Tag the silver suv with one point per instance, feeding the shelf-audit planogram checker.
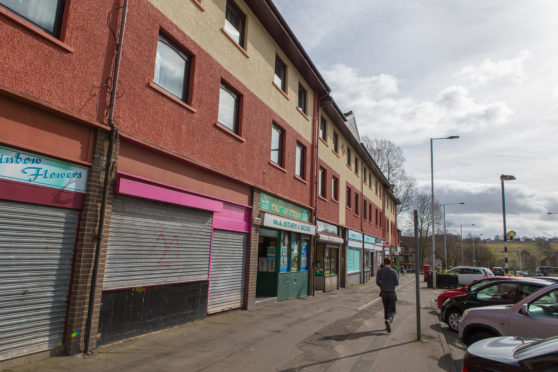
(468, 274)
(533, 316)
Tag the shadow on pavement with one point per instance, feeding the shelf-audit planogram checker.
(353, 336)
(294, 369)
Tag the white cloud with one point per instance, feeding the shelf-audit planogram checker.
(488, 70)
(382, 112)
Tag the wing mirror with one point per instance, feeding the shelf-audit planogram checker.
(525, 309)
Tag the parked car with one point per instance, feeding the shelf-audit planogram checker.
(446, 295)
(512, 354)
(551, 278)
(468, 274)
(533, 316)
(500, 292)
(498, 271)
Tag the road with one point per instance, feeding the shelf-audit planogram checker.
(337, 331)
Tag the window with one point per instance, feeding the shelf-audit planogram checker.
(234, 23)
(334, 188)
(229, 103)
(348, 156)
(546, 305)
(364, 175)
(323, 129)
(335, 142)
(277, 135)
(370, 179)
(353, 260)
(364, 210)
(280, 78)
(356, 165)
(172, 69)
(376, 216)
(356, 203)
(300, 166)
(301, 98)
(322, 183)
(348, 197)
(370, 211)
(293, 252)
(47, 14)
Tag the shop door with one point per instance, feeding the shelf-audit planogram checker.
(226, 285)
(156, 243)
(36, 252)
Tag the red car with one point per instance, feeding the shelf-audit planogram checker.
(466, 289)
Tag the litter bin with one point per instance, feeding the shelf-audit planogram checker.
(426, 270)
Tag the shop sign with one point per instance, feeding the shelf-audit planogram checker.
(369, 239)
(354, 235)
(327, 227)
(379, 241)
(278, 206)
(281, 223)
(34, 169)
(330, 239)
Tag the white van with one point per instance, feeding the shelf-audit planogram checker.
(468, 274)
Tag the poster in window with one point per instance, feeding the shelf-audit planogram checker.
(271, 254)
(295, 252)
(284, 259)
(304, 255)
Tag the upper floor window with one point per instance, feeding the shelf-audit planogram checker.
(277, 138)
(334, 188)
(323, 129)
(300, 161)
(349, 157)
(356, 165)
(280, 78)
(335, 142)
(322, 182)
(348, 197)
(235, 21)
(356, 203)
(370, 179)
(364, 175)
(370, 211)
(364, 210)
(47, 14)
(172, 69)
(301, 98)
(229, 102)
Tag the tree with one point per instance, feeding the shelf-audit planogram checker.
(389, 158)
(423, 205)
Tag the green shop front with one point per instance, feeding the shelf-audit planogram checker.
(354, 257)
(327, 257)
(368, 257)
(283, 249)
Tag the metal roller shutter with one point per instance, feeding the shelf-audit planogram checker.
(36, 253)
(156, 243)
(226, 285)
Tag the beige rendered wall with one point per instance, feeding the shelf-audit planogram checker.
(256, 69)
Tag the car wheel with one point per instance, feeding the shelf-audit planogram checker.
(453, 318)
(477, 336)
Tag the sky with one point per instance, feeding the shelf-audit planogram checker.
(486, 70)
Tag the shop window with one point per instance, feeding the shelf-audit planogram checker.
(334, 188)
(280, 78)
(323, 129)
(229, 103)
(302, 98)
(235, 21)
(172, 69)
(353, 260)
(267, 254)
(322, 182)
(326, 260)
(47, 14)
(277, 139)
(300, 161)
(335, 142)
(293, 252)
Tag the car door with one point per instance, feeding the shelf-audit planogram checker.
(541, 319)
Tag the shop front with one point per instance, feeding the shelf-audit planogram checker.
(354, 257)
(369, 243)
(378, 254)
(40, 199)
(283, 249)
(326, 260)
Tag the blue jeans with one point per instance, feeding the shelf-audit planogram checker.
(388, 299)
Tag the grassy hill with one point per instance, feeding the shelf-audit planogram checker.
(530, 254)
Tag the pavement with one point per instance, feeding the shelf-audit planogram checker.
(338, 331)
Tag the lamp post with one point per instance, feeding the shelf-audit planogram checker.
(445, 249)
(505, 177)
(432, 206)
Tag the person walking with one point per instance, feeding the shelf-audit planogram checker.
(387, 280)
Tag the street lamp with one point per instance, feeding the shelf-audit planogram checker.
(432, 206)
(505, 177)
(445, 249)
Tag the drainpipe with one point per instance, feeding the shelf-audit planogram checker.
(363, 279)
(113, 138)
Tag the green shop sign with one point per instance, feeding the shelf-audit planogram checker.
(274, 205)
(369, 239)
(354, 235)
(281, 223)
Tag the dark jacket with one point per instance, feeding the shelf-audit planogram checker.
(387, 279)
